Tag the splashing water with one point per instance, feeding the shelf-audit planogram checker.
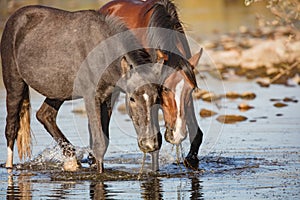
(52, 158)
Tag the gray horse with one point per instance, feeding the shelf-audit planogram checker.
(66, 55)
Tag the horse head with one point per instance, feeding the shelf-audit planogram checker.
(142, 88)
(176, 96)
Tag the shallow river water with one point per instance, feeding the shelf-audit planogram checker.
(255, 159)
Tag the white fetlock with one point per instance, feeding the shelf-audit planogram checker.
(71, 164)
(9, 161)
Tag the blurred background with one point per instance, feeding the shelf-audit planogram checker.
(202, 19)
(200, 16)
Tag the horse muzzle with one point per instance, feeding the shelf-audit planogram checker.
(174, 136)
(150, 144)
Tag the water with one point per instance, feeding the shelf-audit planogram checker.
(250, 160)
(255, 159)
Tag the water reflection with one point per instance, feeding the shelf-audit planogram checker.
(196, 188)
(156, 188)
(62, 191)
(151, 188)
(191, 189)
(36, 185)
(21, 189)
(22, 186)
(98, 190)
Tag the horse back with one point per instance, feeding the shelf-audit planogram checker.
(48, 45)
(134, 12)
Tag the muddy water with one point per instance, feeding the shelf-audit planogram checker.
(255, 159)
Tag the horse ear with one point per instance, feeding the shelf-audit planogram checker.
(161, 56)
(124, 66)
(194, 60)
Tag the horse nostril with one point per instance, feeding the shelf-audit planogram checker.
(144, 145)
(169, 129)
(154, 141)
(148, 145)
(168, 126)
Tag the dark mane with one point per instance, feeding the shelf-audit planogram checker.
(179, 63)
(138, 53)
(140, 56)
(165, 16)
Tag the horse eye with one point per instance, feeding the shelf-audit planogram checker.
(165, 89)
(132, 99)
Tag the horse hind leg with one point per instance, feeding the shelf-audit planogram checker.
(47, 116)
(17, 121)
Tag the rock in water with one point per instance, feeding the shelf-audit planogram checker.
(231, 119)
(207, 113)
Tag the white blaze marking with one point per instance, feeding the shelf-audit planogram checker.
(146, 97)
(178, 90)
(178, 123)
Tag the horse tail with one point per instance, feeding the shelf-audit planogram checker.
(24, 133)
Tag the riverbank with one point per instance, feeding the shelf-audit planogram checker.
(269, 55)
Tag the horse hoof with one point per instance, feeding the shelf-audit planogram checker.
(71, 164)
(91, 160)
(9, 170)
(191, 162)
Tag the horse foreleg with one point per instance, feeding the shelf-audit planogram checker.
(196, 135)
(106, 111)
(98, 127)
(155, 162)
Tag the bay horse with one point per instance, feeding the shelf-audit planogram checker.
(158, 26)
(67, 55)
